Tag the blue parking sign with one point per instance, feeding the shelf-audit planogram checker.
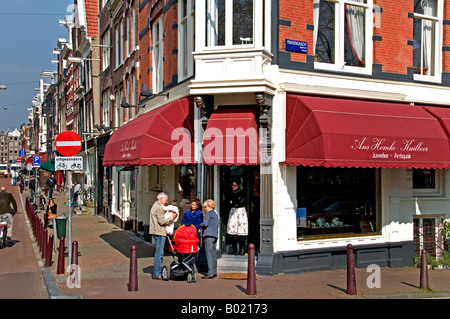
(36, 161)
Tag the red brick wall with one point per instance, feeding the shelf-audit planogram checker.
(299, 13)
(395, 28)
(392, 24)
(446, 37)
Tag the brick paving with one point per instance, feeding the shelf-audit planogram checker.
(104, 260)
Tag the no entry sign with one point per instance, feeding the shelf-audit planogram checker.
(68, 143)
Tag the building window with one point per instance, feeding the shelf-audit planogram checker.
(158, 55)
(117, 47)
(105, 104)
(342, 35)
(336, 201)
(187, 183)
(230, 22)
(427, 40)
(106, 50)
(428, 235)
(134, 30)
(427, 182)
(186, 38)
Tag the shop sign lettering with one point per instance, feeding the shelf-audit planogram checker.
(381, 149)
(127, 148)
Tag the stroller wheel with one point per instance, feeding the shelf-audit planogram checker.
(164, 273)
(191, 277)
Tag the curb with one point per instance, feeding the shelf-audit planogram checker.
(53, 288)
(50, 282)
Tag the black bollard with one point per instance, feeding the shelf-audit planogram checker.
(251, 272)
(424, 270)
(351, 278)
(133, 281)
(49, 251)
(60, 269)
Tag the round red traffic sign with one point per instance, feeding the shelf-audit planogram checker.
(18, 160)
(68, 143)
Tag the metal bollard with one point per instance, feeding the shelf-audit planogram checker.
(49, 251)
(74, 260)
(251, 272)
(44, 241)
(351, 278)
(424, 270)
(133, 280)
(60, 269)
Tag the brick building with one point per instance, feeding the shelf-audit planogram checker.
(345, 101)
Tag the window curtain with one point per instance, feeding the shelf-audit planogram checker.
(355, 20)
(316, 23)
(429, 9)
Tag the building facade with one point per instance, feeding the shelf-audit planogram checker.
(331, 115)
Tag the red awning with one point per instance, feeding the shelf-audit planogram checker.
(231, 138)
(162, 136)
(443, 115)
(332, 132)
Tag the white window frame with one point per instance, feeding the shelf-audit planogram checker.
(438, 190)
(106, 106)
(134, 28)
(205, 25)
(117, 41)
(122, 42)
(438, 43)
(158, 55)
(106, 50)
(339, 36)
(185, 39)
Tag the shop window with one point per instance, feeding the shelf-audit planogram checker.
(427, 182)
(187, 183)
(336, 201)
(342, 35)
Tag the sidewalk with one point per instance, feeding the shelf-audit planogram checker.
(104, 261)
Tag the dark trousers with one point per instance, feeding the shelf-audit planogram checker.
(211, 255)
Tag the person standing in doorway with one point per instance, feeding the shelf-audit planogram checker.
(210, 227)
(237, 225)
(158, 223)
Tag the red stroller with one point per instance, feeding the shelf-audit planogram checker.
(184, 245)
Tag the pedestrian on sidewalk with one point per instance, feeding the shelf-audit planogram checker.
(6, 199)
(76, 192)
(51, 183)
(210, 227)
(158, 223)
(32, 186)
(50, 212)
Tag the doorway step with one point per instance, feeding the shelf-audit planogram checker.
(232, 264)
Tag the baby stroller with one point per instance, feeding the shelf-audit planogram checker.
(184, 245)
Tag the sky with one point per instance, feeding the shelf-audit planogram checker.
(29, 31)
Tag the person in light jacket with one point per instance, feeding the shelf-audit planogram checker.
(210, 227)
(158, 223)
